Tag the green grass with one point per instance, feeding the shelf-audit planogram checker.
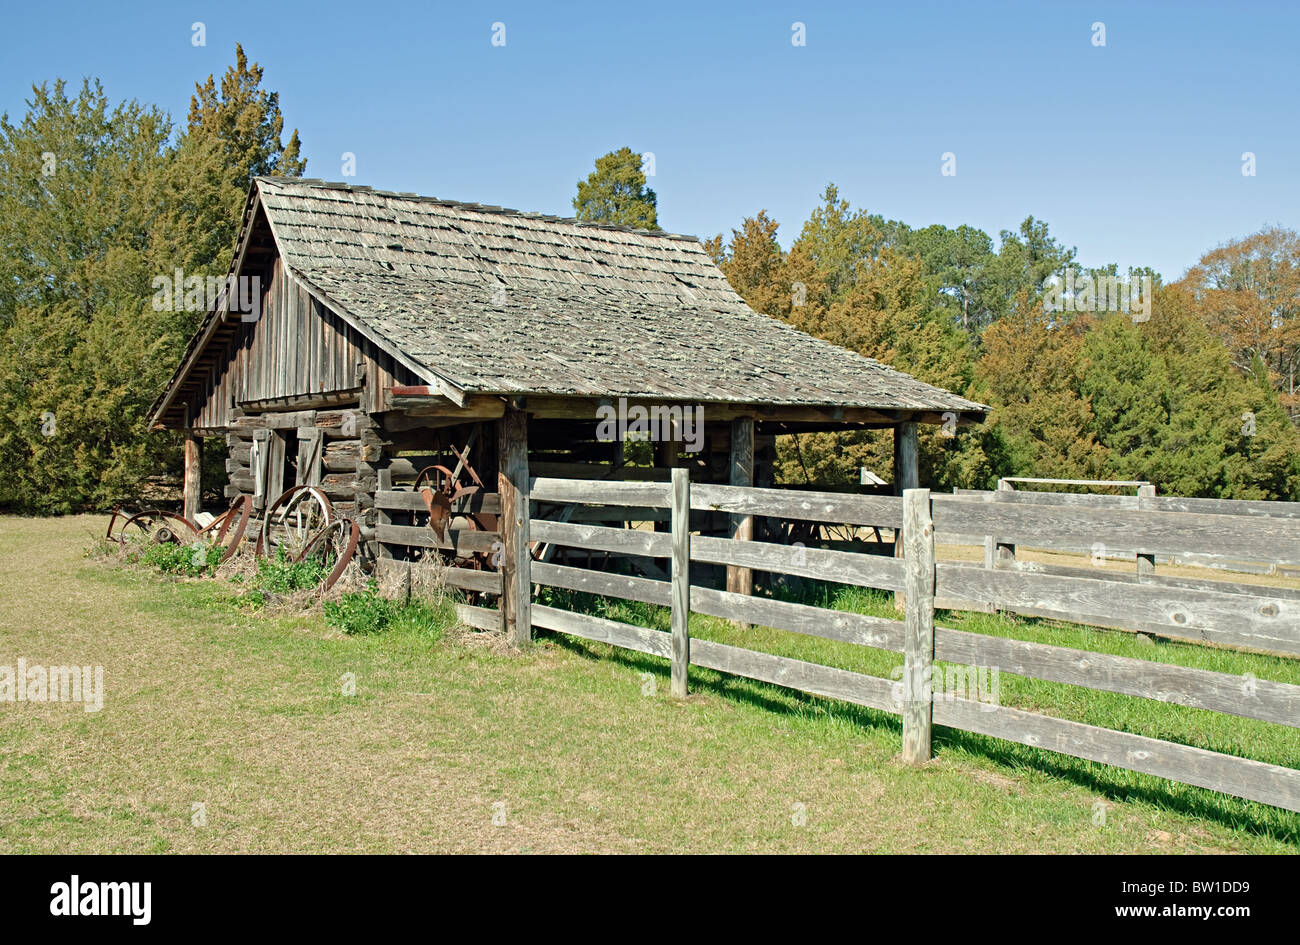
(1214, 731)
(251, 715)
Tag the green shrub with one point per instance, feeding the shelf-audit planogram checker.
(366, 612)
(193, 560)
(279, 575)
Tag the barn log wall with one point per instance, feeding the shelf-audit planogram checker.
(343, 476)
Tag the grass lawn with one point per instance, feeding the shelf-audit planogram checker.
(579, 749)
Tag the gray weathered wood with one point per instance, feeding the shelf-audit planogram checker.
(654, 642)
(681, 580)
(382, 518)
(1127, 577)
(918, 626)
(806, 619)
(603, 538)
(594, 491)
(193, 489)
(488, 503)
(513, 487)
(740, 580)
(467, 579)
(480, 618)
(462, 540)
(1250, 538)
(838, 508)
(1163, 682)
(841, 566)
(1253, 621)
(1241, 777)
(872, 691)
(1151, 503)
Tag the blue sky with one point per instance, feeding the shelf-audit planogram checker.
(1132, 152)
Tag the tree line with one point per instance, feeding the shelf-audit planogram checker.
(1192, 387)
(98, 199)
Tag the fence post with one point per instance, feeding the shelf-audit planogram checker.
(193, 492)
(516, 583)
(741, 580)
(1146, 564)
(680, 521)
(918, 627)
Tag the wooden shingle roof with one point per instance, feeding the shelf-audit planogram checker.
(498, 301)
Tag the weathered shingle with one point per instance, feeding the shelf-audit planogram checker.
(499, 301)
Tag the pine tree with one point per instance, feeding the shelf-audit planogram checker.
(616, 192)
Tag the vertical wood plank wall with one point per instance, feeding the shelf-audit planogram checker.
(297, 348)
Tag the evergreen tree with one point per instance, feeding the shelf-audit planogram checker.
(616, 192)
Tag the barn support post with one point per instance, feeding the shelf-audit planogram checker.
(741, 580)
(512, 484)
(918, 627)
(193, 489)
(681, 580)
(907, 475)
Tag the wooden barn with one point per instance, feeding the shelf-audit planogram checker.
(395, 333)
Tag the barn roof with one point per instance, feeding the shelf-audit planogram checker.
(497, 301)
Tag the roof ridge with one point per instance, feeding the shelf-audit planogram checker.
(476, 207)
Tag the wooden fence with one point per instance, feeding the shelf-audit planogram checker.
(1247, 548)
(1251, 620)
(1234, 615)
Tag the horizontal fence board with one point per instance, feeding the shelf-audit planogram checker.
(1131, 577)
(484, 582)
(488, 503)
(835, 507)
(1168, 503)
(859, 629)
(1158, 503)
(840, 566)
(1202, 689)
(467, 579)
(812, 678)
(1254, 621)
(1058, 499)
(1248, 538)
(421, 536)
(601, 538)
(480, 618)
(1242, 777)
(597, 492)
(872, 691)
(644, 590)
(654, 642)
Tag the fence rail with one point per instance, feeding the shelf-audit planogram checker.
(1238, 619)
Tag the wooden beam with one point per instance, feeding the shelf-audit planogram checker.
(193, 475)
(907, 475)
(741, 580)
(918, 627)
(681, 580)
(512, 457)
(907, 469)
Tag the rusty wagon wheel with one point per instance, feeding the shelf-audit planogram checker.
(158, 527)
(293, 520)
(334, 545)
(438, 478)
(233, 522)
